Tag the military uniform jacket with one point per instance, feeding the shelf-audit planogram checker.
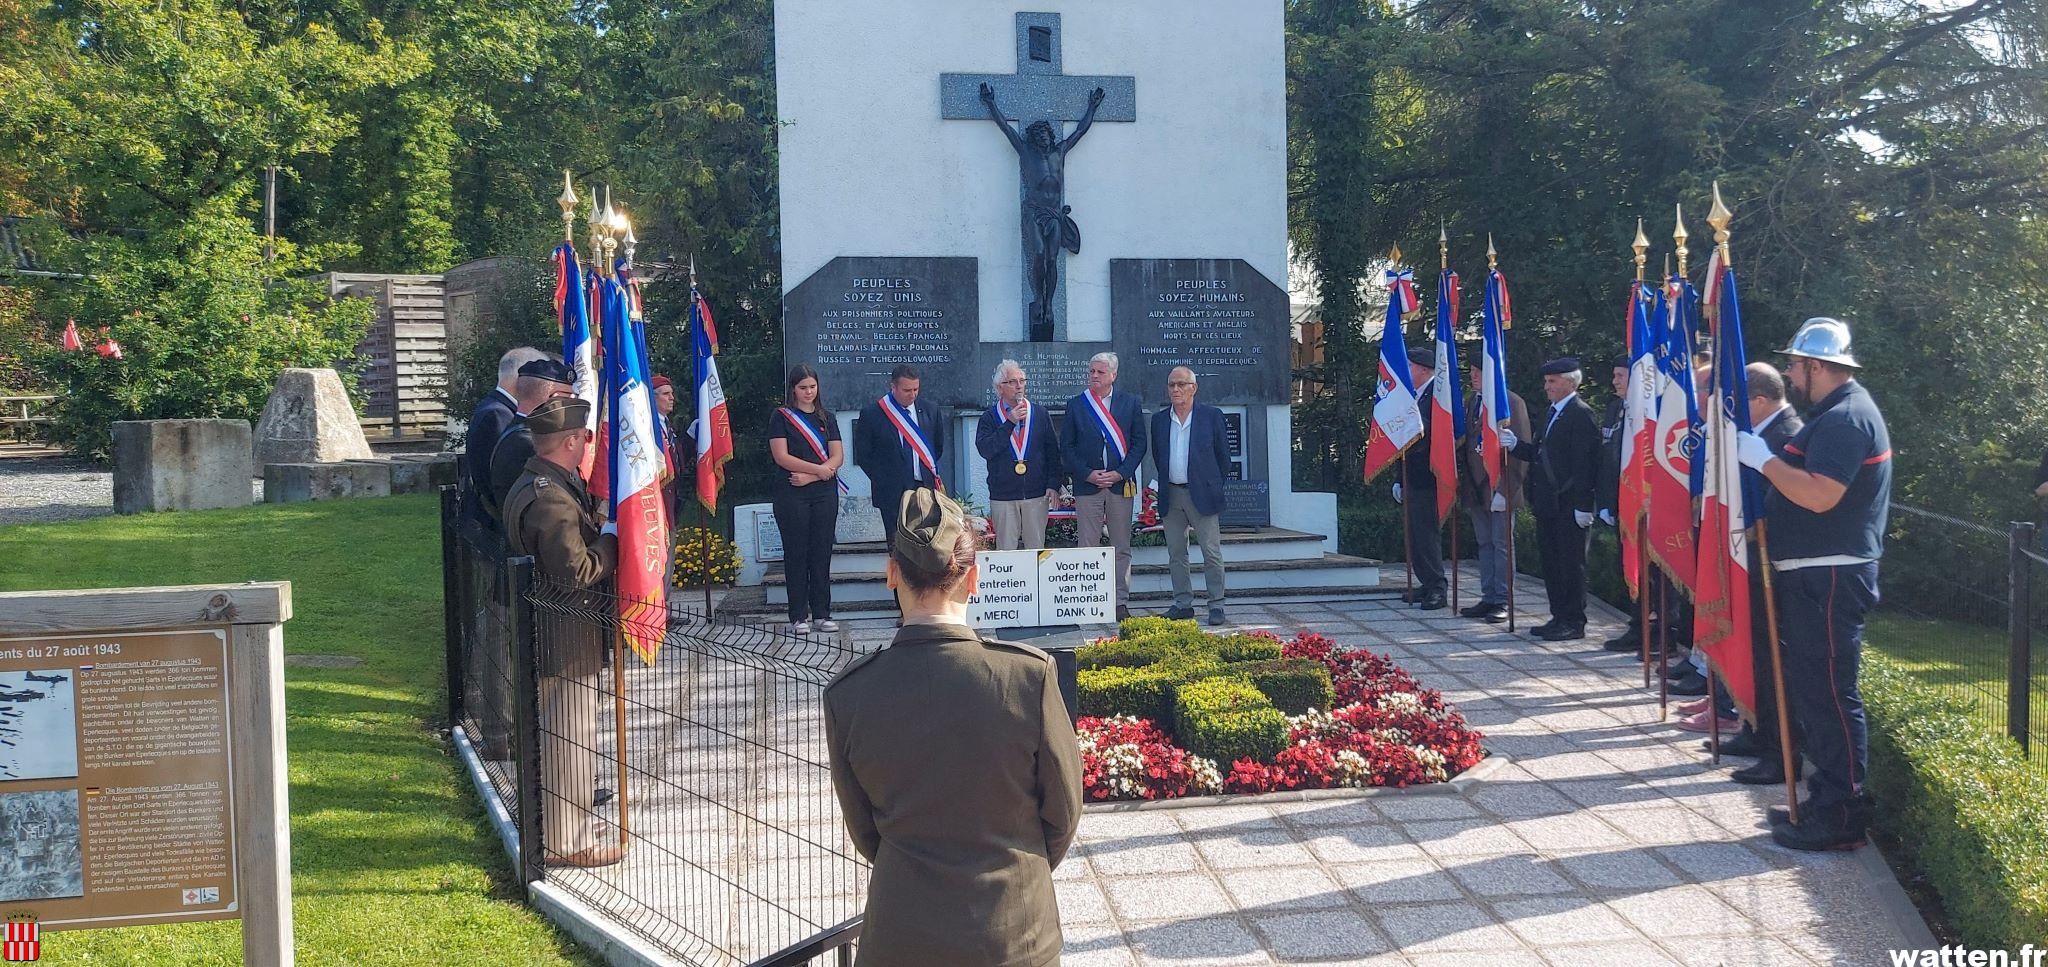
(550, 515)
(959, 777)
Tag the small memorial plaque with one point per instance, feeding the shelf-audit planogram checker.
(1007, 595)
(1247, 503)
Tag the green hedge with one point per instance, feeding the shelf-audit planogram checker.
(1123, 653)
(1236, 648)
(1971, 813)
(1227, 718)
(1293, 685)
(1120, 690)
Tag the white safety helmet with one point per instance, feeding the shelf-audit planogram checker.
(1824, 339)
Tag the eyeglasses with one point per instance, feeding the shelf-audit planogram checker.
(1019, 381)
(1179, 384)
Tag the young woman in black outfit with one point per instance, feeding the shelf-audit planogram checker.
(803, 439)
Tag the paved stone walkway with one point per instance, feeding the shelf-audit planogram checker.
(1608, 838)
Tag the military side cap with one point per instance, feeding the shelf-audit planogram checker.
(928, 526)
(1561, 366)
(550, 370)
(559, 414)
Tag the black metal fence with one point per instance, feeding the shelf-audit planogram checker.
(1957, 610)
(685, 795)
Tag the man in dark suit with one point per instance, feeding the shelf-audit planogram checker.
(899, 441)
(1415, 490)
(486, 424)
(539, 381)
(1566, 462)
(1777, 422)
(1190, 455)
(1103, 440)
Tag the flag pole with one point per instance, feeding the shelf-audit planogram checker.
(1720, 217)
(1713, 314)
(1642, 249)
(603, 245)
(1678, 237)
(1407, 538)
(1506, 323)
(1443, 251)
(710, 521)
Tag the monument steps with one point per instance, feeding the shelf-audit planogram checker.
(1328, 574)
(1262, 544)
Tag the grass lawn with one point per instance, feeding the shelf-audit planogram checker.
(1966, 662)
(392, 862)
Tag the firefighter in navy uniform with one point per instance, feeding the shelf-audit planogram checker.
(1827, 505)
(550, 515)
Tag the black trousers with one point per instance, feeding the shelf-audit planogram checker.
(1820, 618)
(806, 518)
(1564, 565)
(1425, 539)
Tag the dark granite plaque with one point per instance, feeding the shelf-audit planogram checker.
(859, 317)
(1247, 503)
(1220, 317)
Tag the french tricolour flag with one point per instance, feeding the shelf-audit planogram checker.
(1676, 443)
(1396, 416)
(1730, 497)
(1446, 398)
(713, 426)
(1496, 315)
(1639, 429)
(635, 465)
(579, 349)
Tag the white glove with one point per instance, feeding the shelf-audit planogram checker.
(1584, 518)
(1753, 451)
(610, 527)
(1508, 438)
(1397, 493)
(1500, 503)
(1607, 517)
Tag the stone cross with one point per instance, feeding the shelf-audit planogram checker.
(1038, 91)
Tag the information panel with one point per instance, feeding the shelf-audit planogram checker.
(1045, 588)
(115, 783)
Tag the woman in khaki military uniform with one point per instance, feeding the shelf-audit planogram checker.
(956, 767)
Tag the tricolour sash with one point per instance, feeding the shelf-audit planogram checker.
(811, 437)
(1111, 432)
(1020, 438)
(913, 437)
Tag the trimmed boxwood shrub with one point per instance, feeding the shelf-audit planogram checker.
(1123, 652)
(1293, 685)
(1970, 811)
(1226, 718)
(1239, 648)
(1146, 692)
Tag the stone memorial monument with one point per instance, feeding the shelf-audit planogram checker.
(905, 238)
(181, 465)
(309, 420)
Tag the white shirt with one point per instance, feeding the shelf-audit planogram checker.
(1177, 449)
(916, 465)
(1773, 418)
(1557, 409)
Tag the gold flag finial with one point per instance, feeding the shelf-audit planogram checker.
(1394, 255)
(1678, 237)
(1443, 245)
(1492, 257)
(568, 202)
(1719, 217)
(1642, 247)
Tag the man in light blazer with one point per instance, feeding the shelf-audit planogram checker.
(1190, 458)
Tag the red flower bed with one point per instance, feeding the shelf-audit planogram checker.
(1387, 730)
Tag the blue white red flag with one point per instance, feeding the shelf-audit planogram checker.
(1496, 316)
(1729, 502)
(1446, 398)
(1671, 474)
(713, 426)
(1638, 432)
(635, 463)
(1396, 415)
(579, 349)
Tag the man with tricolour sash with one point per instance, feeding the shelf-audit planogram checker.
(899, 441)
(1104, 443)
(1016, 437)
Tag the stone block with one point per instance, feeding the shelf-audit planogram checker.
(286, 483)
(181, 465)
(422, 473)
(309, 420)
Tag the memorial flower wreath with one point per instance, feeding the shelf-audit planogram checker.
(1386, 728)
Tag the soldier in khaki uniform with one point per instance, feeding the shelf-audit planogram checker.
(550, 515)
(956, 767)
